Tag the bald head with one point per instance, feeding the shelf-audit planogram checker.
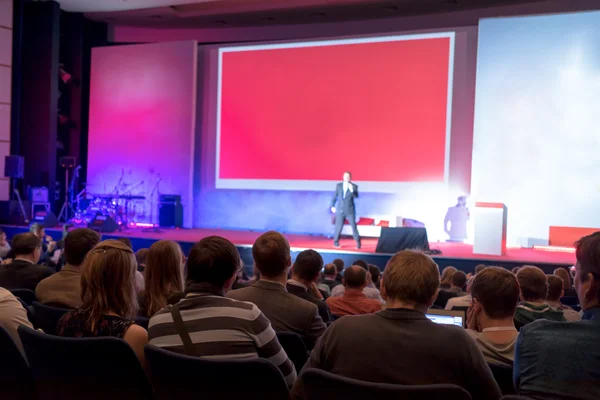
(355, 277)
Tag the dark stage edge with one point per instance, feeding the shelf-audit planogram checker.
(243, 241)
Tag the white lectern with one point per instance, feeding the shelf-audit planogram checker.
(489, 222)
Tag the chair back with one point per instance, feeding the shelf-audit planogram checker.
(102, 368)
(46, 317)
(16, 382)
(294, 347)
(443, 297)
(176, 376)
(142, 321)
(514, 397)
(27, 295)
(28, 310)
(460, 308)
(504, 377)
(322, 385)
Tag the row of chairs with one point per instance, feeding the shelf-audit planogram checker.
(107, 368)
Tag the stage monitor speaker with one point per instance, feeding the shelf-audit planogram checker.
(44, 217)
(393, 240)
(104, 224)
(14, 167)
(170, 215)
(67, 162)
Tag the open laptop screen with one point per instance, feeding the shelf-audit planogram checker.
(447, 317)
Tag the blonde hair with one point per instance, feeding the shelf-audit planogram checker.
(447, 274)
(163, 274)
(108, 282)
(411, 275)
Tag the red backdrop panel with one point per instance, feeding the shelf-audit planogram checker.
(309, 113)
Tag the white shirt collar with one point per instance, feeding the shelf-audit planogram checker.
(297, 283)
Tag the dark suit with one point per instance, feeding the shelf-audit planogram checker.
(303, 294)
(345, 210)
(21, 274)
(285, 311)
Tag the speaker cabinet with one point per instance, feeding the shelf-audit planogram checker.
(170, 215)
(104, 224)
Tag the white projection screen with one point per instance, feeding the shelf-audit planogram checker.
(537, 122)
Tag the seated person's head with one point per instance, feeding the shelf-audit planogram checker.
(555, 288)
(2, 238)
(330, 271)
(480, 268)
(108, 282)
(163, 274)
(495, 293)
(38, 229)
(27, 246)
(339, 265)
(308, 266)
(533, 284)
(271, 253)
(459, 280)
(446, 278)
(565, 276)
(587, 275)
(410, 280)
(515, 270)
(361, 263)
(375, 272)
(126, 241)
(78, 243)
(213, 261)
(141, 256)
(355, 277)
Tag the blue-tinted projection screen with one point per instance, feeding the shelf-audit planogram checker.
(537, 122)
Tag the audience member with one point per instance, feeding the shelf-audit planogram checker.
(287, 312)
(141, 256)
(515, 270)
(140, 284)
(109, 298)
(369, 290)
(404, 347)
(459, 302)
(163, 277)
(375, 275)
(23, 272)
(4, 245)
(63, 289)
(480, 268)
(305, 273)
(219, 327)
(339, 266)
(490, 319)
(568, 285)
(457, 283)
(534, 288)
(330, 276)
(446, 278)
(353, 301)
(562, 361)
(555, 292)
(12, 315)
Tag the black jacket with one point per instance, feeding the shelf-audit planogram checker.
(21, 274)
(303, 294)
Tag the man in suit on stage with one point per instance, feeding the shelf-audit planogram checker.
(346, 191)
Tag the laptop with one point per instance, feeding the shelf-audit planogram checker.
(448, 317)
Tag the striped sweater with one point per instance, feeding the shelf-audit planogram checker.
(221, 328)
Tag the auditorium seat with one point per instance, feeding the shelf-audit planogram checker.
(322, 385)
(176, 376)
(504, 377)
(28, 310)
(27, 295)
(515, 397)
(16, 382)
(46, 317)
(294, 347)
(142, 321)
(102, 368)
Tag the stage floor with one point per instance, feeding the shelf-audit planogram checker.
(245, 239)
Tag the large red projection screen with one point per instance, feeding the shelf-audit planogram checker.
(296, 116)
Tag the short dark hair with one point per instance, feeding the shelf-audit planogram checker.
(308, 265)
(588, 257)
(459, 279)
(126, 241)
(339, 264)
(212, 260)
(533, 283)
(555, 287)
(361, 263)
(36, 227)
(141, 255)
(349, 173)
(497, 290)
(271, 252)
(480, 268)
(330, 269)
(78, 243)
(355, 277)
(25, 243)
(375, 272)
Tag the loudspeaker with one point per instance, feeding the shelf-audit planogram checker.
(46, 218)
(67, 162)
(170, 215)
(104, 224)
(14, 167)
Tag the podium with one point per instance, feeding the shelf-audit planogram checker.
(489, 221)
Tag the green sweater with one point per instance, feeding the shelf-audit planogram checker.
(529, 312)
